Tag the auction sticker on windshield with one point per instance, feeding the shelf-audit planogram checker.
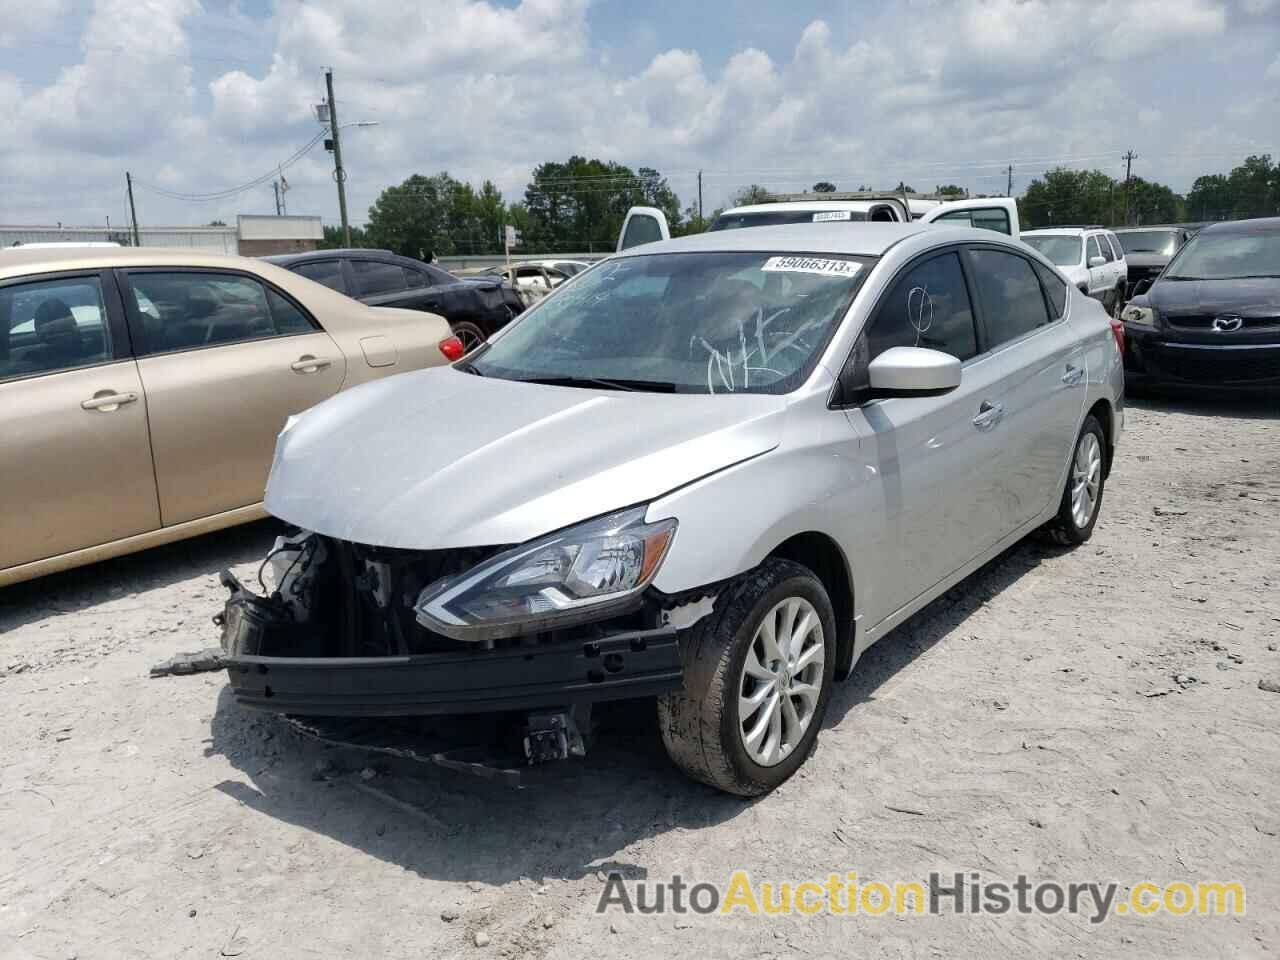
(828, 268)
(827, 216)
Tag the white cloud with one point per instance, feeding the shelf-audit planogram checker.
(21, 18)
(929, 90)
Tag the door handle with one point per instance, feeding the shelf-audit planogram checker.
(1073, 375)
(989, 414)
(309, 364)
(107, 400)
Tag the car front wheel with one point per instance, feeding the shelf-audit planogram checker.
(757, 676)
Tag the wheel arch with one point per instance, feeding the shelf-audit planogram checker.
(1102, 410)
(821, 554)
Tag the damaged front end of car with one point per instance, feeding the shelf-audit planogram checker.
(540, 631)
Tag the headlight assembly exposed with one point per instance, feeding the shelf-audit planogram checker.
(582, 573)
(1142, 316)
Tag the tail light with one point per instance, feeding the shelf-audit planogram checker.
(1117, 330)
(452, 348)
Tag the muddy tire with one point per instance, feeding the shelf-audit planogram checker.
(1082, 493)
(767, 650)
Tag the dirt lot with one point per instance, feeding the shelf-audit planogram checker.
(1030, 722)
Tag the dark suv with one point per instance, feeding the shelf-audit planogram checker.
(381, 278)
(1148, 250)
(1212, 318)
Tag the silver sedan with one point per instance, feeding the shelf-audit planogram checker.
(711, 470)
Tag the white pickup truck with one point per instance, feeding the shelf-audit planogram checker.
(647, 224)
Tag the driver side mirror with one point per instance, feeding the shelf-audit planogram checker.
(1141, 287)
(1096, 261)
(913, 372)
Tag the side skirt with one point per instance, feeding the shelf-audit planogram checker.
(141, 541)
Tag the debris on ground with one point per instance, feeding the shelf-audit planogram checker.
(184, 664)
(1269, 684)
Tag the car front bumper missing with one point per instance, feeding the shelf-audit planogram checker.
(614, 666)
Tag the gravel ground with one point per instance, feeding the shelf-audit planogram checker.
(1086, 715)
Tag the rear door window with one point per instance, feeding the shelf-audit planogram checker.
(52, 325)
(327, 272)
(1009, 290)
(983, 218)
(375, 277)
(1055, 289)
(192, 310)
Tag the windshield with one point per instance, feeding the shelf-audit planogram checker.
(771, 218)
(1148, 241)
(1063, 250)
(682, 322)
(1227, 256)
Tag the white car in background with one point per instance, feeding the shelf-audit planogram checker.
(999, 214)
(1090, 257)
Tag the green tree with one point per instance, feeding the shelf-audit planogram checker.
(579, 205)
(1255, 188)
(824, 186)
(1210, 198)
(426, 216)
(333, 239)
(950, 190)
(751, 195)
(1151, 202)
(1063, 197)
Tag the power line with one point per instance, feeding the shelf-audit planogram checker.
(233, 191)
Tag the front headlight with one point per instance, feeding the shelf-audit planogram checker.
(1144, 316)
(586, 572)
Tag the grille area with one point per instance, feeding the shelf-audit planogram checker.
(1205, 322)
(1221, 366)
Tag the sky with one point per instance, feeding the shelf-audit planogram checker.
(199, 97)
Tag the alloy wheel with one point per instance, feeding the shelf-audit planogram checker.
(1086, 479)
(781, 681)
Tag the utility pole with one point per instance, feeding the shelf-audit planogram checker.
(1009, 190)
(699, 194)
(1129, 157)
(133, 213)
(275, 185)
(339, 174)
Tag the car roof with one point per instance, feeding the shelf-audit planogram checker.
(1256, 225)
(1063, 231)
(857, 239)
(287, 258)
(815, 205)
(18, 261)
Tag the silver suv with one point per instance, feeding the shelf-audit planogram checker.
(710, 471)
(1090, 257)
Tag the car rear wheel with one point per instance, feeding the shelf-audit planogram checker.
(1082, 496)
(470, 334)
(757, 677)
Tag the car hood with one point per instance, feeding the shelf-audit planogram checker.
(440, 458)
(1076, 273)
(1147, 259)
(1257, 297)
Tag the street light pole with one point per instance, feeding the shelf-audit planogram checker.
(338, 173)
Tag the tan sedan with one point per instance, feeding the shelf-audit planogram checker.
(141, 391)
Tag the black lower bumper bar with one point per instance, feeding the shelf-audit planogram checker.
(618, 666)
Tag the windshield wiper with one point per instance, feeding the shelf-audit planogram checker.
(605, 383)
